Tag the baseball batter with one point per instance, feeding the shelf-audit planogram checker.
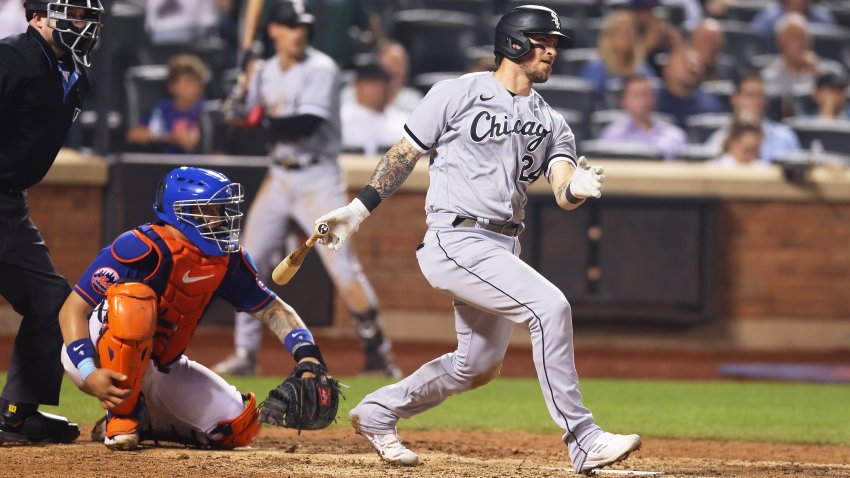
(298, 90)
(131, 316)
(490, 135)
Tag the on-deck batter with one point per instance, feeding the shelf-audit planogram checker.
(490, 136)
(299, 91)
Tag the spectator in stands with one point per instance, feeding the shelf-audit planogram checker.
(656, 36)
(708, 39)
(13, 19)
(638, 100)
(180, 22)
(173, 126)
(831, 97)
(798, 66)
(742, 145)
(370, 123)
(765, 23)
(395, 60)
(749, 102)
(681, 96)
(620, 56)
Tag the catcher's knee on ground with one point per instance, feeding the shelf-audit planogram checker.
(239, 431)
(127, 337)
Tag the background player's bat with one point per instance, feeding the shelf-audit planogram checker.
(290, 264)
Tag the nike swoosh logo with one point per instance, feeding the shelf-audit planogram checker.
(482, 98)
(189, 280)
(78, 347)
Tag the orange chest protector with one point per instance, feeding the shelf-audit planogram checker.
(186, 281)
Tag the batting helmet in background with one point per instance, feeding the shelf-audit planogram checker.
(511, 40)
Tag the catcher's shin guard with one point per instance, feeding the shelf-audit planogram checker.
(240, 431)
(126, 340)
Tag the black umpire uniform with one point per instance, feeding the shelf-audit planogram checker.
(40, 97)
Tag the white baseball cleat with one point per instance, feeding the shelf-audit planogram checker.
(388, 446)
(126, 442)
(609, 448)
(241, 363)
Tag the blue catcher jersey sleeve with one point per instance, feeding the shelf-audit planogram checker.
(241, 287)
(128, 257)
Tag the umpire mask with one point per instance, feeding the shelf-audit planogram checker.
(77, 26)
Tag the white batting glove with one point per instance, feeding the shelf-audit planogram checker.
(342, 223)
(587, 181)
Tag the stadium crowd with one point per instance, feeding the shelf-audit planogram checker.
(664, 79)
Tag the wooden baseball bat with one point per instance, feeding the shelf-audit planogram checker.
(287, 268)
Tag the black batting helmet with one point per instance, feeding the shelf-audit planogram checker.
(290, 14)
(511, 41)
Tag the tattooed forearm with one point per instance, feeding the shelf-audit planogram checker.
(561, 194)
(394, 168)
(280, 318)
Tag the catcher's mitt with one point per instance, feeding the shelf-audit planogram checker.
(303, 403)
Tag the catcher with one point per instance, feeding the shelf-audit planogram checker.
(131, 316)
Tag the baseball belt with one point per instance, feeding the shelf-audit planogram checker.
(509, 228)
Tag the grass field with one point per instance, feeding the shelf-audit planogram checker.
(751, 411)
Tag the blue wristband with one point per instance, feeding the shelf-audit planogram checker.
(80, 350)
(297, 336)
(86, 367)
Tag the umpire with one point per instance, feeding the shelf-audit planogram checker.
(42, 80)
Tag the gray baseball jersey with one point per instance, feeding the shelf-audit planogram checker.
(305, 192)
(310, 87)
(488, 146)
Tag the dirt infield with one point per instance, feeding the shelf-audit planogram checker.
(340, 453)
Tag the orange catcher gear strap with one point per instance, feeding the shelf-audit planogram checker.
(127, 336)
(240, 431)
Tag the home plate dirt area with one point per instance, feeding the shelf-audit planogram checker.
(339, 452)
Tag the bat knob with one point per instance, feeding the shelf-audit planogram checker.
(322, 229)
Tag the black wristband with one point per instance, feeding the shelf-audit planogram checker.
(570, 198)
(308, 350)
(369, 197)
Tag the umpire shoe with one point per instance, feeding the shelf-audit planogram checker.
(388, 446)
(122, 433)
(242, 363)
(35, 426)
(608, 449)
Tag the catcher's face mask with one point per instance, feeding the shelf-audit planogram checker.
(76, 26)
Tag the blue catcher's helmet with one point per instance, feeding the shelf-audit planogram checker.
(204, 205)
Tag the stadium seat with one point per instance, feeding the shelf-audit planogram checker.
(570, 62)
(435, 39)
(386, 10)
(425, 81)
(567, 92)
(575, 9)
(599, 149)
(480, 8)
(701, 127)
(813, 157)
(670, 10)
(145, 85)
(831, 42)
(212, 52)
(841, 11)
(831, 135)
(745, 10)
(696, 153)
(742, 42)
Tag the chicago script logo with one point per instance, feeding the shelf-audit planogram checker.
(485, 125)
